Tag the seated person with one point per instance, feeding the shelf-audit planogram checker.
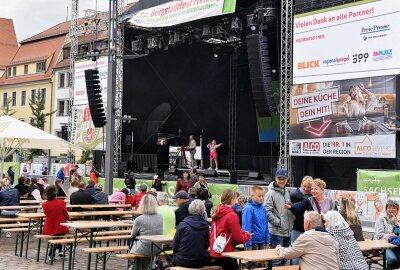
(167, 212)
(99, 196)
(22, 188)
(9, 196)
(119, 197)
(192, 237)
(60, 190)
(202, 194)
(138, 196)
(72, 188)
(80, 197)
(182, 200)
(90, 187)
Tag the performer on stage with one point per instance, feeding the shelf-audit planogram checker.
(213, 153)
(192, 149)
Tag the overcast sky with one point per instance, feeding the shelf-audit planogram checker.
(34, 16)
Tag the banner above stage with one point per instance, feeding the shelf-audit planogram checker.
(350, 41)
(349, 118)
(177, 12)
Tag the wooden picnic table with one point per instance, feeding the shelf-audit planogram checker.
(98, 206)
(156, 239)
(30, 202)
(92, 227)
(20, 207)
(267, 255)
(377, 245)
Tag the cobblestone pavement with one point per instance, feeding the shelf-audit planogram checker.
(8, 261)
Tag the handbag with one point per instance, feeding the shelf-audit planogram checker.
(220, 242)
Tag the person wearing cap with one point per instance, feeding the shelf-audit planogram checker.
(99, 196)
(280, 219)
(182, 200)
(138, 196)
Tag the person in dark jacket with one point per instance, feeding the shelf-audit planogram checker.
(157, 183)
(21, 187)
(130, 182)
(349, 214)
(191, 239)
(9, 196)
(182, 200)
(60, 190)
(99, 197)
(80, 197)
(90, 187)
(11, 173)
(202, 194)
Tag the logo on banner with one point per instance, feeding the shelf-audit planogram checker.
(296, 147)
(374, 31)
(364, 146)
(311, 147)
(383, 55)
(308, 64)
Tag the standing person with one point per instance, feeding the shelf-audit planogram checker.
(130, 182)
(56, 213)
(45, 171)
(384, 228)
(202, 183)
(11, 174)
(319, 202)
(192, 237)
(226, 222)
(349, 214)
(350, 254)
(255, 220)
(149, 223)
(213, 153)
(298, 206)
(184, 183)
(157, 183)
(280, 219)
(60, 173)
(316, 248)
(94, 175)
(241, 203)
(192, 149)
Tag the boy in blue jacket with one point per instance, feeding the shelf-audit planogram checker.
(255, 220)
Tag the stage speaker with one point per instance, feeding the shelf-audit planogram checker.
(95, 100)
(255, 175)
(146, 169)
(210, 173)
(260, 74)
(233, 177)
(172, 171)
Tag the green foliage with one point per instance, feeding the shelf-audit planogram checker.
(7, 110)
(84, 157)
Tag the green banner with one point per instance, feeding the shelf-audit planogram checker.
(379, 181)
(229, 6)
(216, 190)
(15, 166)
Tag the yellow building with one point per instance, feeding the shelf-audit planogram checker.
(30, 73)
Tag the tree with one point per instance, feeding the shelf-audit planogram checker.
(7, 110)
(39, 119)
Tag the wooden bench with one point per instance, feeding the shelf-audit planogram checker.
(131, 258)
(107, 251)
(16, 219)
(66, 241)
(202, 268)
(13, 225)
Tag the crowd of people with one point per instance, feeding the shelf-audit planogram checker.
(303, 226)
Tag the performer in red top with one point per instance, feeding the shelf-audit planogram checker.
(213, 153)
(56, 213)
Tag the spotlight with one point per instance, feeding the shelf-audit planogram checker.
(171, 40)
(252, 22)
(215, 55)
(153, 43)
(220, 31)
(137, 46)
(236, 24)
(177, 38)
(206, 31)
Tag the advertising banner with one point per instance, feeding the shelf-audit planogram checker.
(379, 181)
(350, 41)
(177, 12)
(349, 118)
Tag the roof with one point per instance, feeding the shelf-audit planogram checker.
(85, 39)
(34, 52)
(57, 30)
(8, 42)
(62, 63)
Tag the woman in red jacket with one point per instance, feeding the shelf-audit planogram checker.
(56, 213)
(225, 221)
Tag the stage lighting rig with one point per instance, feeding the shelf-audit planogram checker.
(153, 43)
(137, 46)
(236, 24)
(206, 33)
(93, 55)
(252, 22)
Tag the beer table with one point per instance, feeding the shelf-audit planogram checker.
(383, 244)
(156, 239)
(266, 255)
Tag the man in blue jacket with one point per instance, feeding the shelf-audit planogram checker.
(255, 220)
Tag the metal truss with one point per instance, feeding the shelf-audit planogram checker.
(232, 108)
(286, 81)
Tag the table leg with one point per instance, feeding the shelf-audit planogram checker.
(90, 245)
(384, 259)
(40, 239)
(27, 242)
(151, 256)
(22, 243)
(240, 264)
(73, 249)
(270, 265)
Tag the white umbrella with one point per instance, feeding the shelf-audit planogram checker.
(16, 134)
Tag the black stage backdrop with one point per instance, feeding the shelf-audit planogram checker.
(187, 88)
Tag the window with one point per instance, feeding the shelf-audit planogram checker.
(61, 80)
(14, 99)
(33, 96)
(14, 71)
(66, 53)
(9, 72)
(23, 98)
(43, 94)
(61, 108)
(41, 67)
(5, 101)
(25, 69)
(59, 134)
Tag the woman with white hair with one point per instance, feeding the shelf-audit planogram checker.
(149, 223)
(191, 239)
(350, 254)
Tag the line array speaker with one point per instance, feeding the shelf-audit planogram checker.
(95, 100)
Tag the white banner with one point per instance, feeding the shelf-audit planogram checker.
(80, 96)
(353, 41)
(377, 146)
(181, 11)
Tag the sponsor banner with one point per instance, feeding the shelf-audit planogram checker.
(387, 182)
(359, 39)
(80, 95)
(177, 12)
(349, 118)
(84, 133)
(379, 146)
